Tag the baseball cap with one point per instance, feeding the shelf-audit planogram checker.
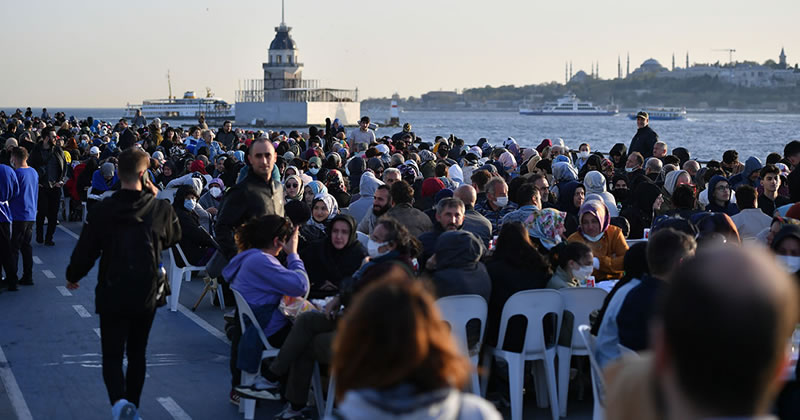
(94, 150)
(642, 114)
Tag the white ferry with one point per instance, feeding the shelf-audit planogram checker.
(189, 107)
(569, 104)
(662, 114)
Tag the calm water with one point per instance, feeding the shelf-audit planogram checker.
(705, 135)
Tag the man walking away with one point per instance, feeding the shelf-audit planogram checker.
(127, 231)
(23, 213)
(48, 160)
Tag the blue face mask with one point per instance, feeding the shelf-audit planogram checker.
(188, 204)
(84, 143)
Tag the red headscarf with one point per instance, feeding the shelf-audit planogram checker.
(198, 166)
(431, 186)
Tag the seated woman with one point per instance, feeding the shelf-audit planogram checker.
(407, 365)
(323, 209)
(606, 241)
(515, 265)
(261, 279)
(197, 244)
(573, 262)
(545, 228)
(334, 257)
(570, 200)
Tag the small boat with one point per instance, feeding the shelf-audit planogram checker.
(569, 105)
(662, 114)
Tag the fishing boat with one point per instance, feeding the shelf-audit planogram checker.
(569, 105)
(662, 114)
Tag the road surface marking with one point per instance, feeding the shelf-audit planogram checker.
(49, 274)
(81, 311)
(69, 232)
(97, 331)
(63, 290)
(36, 260)
(12, 389)
(203, 324)
(173, 408)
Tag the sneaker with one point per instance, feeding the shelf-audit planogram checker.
(261, 389)
(289, 414)
(234, 397)
(124, 410)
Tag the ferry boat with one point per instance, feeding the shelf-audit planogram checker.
(569, 105)
(662, 114)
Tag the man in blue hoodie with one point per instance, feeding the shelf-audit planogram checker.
(23, 213)
(9, 188)
(750, 175)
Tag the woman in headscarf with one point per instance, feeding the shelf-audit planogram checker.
(570, 202)
(333, 258)
(336, 187)
(671, 181)
(198, 166)
(545, 228)
(606, 240)
(529, 164)
(644, 201)
(593, 163)
(595, 183)
(311, 190)
(323, 209)
(293, 188)
(291, 170)
(563, 172)
(619, 155)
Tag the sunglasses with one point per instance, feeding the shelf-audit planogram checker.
(292, 185)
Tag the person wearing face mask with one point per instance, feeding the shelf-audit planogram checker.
(211, 200)
(584, 151)
(197, 244)
(496, 205)
(314, 165)
(786, 245)
(574, 264)
(606, 240)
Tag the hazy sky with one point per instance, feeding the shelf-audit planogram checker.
(101, 53)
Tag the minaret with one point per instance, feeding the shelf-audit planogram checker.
(687, 60)
(782, 59)
(592, 72)
(566, 72)
(597, 70)
(628, 71)
(619, 67)
(673, 61)
(570, 69)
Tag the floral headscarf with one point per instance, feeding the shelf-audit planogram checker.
(330, 203)
(597, 209)
(334, 181)
(546, 225)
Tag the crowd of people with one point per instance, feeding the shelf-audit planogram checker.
(352, 221)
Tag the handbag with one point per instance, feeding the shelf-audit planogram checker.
(215, 265)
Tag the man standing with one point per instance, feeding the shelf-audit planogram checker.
(48, 160)
(362, 137)
(127, 231)
(645, 138)
(9, 188)
(23, 213)
(226, 136)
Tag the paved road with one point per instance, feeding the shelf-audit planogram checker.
(50, 363)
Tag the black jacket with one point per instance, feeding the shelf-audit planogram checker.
(636, 311)
(50, 164)
(253, 197)
(325, 263)
(98, 239)
(226, 139)
(643, 141)
(458, 267)
(195, 241)
(413, 219)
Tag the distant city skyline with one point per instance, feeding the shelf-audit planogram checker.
(103, 54)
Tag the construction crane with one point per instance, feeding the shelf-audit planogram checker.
(730, 53)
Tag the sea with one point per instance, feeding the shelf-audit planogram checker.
(706, 136)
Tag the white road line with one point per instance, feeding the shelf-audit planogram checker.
(173, 408)
(63, 290)
(37, 260)
(49, 274)
(69, 232)
(81, 311)
(12, 389)
(97, 331)
(203, 324)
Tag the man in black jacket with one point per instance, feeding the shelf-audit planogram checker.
(48, 160)
(226, 136)
(645, 137)
(127, 231)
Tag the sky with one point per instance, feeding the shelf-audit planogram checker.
(100, 53)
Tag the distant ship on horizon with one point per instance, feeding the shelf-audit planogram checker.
(190, 107)
(569, 105)
(662, 114)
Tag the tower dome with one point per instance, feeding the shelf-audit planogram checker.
(283, 40)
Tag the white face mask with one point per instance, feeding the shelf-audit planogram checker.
(189, 204)
(215, 192)
(592, 238)
(629, 170)
(792, 263)
(372, 248)
(501, 201)
(582, 273)
(313, 171)
(583, 155)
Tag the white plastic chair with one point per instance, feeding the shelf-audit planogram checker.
(176, 274)
(626, 352)
(248, 405)
(533, 305)
(580, 301)
(598, 384)
(458, 311)
(324, 406)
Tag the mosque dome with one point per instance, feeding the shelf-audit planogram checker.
(282, 41)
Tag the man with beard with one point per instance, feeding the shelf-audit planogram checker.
(449, 217)
(380, 205)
